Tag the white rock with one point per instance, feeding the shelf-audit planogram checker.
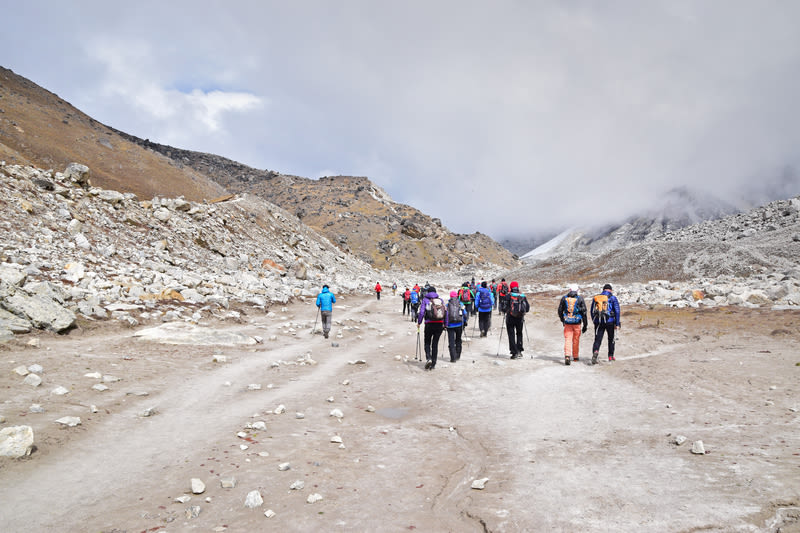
(260, 426)
(93, 408)
(284, 466)
(346, 382)
(297, 485)
(198, 487)
(280, 409)
(100, 387)
(183, 499)
(313, 498)
(698, 448)
(337, 413)
(241, 435)
(370, 409)
(337, 439)
(192, 512)
(33, 380)
(330, 399)
(36, 369)
(60, 391)
(228, 482)
(480, 484)
(33, 343)
(36, 408)
(253, 499)
(150, 411)
(219, 359)
(263, 454)
(299, 416)
(254, 386)
(680, 439)
(70, 421)
(269, 513)
(16, 441)
(111, 379)
(243, 447)
(22, 370)
(93, 375)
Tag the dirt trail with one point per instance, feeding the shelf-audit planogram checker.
(583, 447)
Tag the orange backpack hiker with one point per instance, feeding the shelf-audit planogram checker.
(571, 314)
(600, 305)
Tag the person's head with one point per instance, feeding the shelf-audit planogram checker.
(431, 288)
(573, 288)
(502, 279)
(514, 285)
(483, 284)
(492, 280)
(607, 287)
(453, 294)
(465, 284)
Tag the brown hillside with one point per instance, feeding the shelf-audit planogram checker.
(37, 127)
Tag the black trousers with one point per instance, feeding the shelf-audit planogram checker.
(599, 330)
(433, 330)
(405, 306)
(514, 325)
(485, 320)
(454, 342)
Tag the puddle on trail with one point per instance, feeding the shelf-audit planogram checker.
(393, 412)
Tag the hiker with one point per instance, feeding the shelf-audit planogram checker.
(406, 301)
(455, 325)
(572, 313)
(484, 303)
(502, 293)
(394, 288)
(465, 295)
(605, 315)
(493, 288)
(413, 304)
(433, 312)
(325, 301)
(378, 289)
(517, 305)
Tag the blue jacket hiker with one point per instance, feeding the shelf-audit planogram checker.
(325, 301)
(606, 317)
(484, 303)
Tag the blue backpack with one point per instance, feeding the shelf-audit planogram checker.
(571, 314)
(414, 297)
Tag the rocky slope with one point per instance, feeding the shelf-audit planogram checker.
(353, 213)
(72, 253)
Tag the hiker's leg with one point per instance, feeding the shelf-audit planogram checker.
(451, 342)
(611, 331)
(567, 340)
(512, 341)
(428, 337)
(458, 343)
(520, 324)
(435, 334)
(599, 331)
(576, 340)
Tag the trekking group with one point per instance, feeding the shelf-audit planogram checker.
(424, 306)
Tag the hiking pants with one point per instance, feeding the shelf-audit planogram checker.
(599, 329)
(379, 294)
(326, 320)
(405, 306)
(433, 330)
(485, 321)
(414, 311)
(572, 340)
(514, 326)
(454, 341)
(468, 308)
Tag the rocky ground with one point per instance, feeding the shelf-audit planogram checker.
(579, 448)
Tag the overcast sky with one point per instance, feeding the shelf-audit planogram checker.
(501, 117)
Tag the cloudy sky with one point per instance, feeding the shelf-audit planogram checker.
(505, 117)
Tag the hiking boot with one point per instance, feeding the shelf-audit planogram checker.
(428, 364)
(325, 333)
(574, 358)
(567, 361)
(594, 358)
(611, 358)
(514, 356)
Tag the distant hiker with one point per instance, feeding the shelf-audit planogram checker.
(517, 305)
(465, 295)
(572, 313)
(378, 290)
(394, 289)
(433, 311)
(416, 289)
(502, 293)
(493, 288)
(606, 318)
(484, 302)
(325, 301)
(406, 301)
(455, 325)
(413, 303)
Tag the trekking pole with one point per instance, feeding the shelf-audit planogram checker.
(525, 325)
(416, 351)
(500, 340)
(473, 327)
(314, 330)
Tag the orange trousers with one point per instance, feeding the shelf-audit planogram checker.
(572, 340)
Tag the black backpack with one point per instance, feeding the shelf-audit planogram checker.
(516, 305)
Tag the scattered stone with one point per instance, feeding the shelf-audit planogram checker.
(254, 386)
(336, 439)
(346, 382)
(357, 362)
(480, 484)
(150, 411)
(228, 483)
(22, 370)
(183, 499)
(297, 485)
(299, 416)
(93, 375)
(100, 387)
(330, 399)
(269, 513)
(36, 408)
(111, 379)
(198, 487)
(16, 441)
(33, 380)
(2, 419)
(337, 413)
(263, 454)
(698, 448)
(93, 408)
(69, 421)
(370, 409)
(219, 359)
(33, 343)
(193, 512)
(60, 391)
(313, 498)
(680, 439)
(280, 409)
(284, 466)
(335, 344)
(243, 447)
(497, 362)
(253, 499)
(260, 426)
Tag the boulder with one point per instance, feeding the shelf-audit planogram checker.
(16, 441)
(78, 174)
(43, 312)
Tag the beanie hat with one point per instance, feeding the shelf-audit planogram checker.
(453, 294)
(514, 285)
(573, 288)
(607, 286)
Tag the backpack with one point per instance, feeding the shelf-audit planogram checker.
(465, 295)
(414, 297)
(434, 310)
(601, 309)
(454, 311)
(516, 305)
(503, 288)
(571, 314)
